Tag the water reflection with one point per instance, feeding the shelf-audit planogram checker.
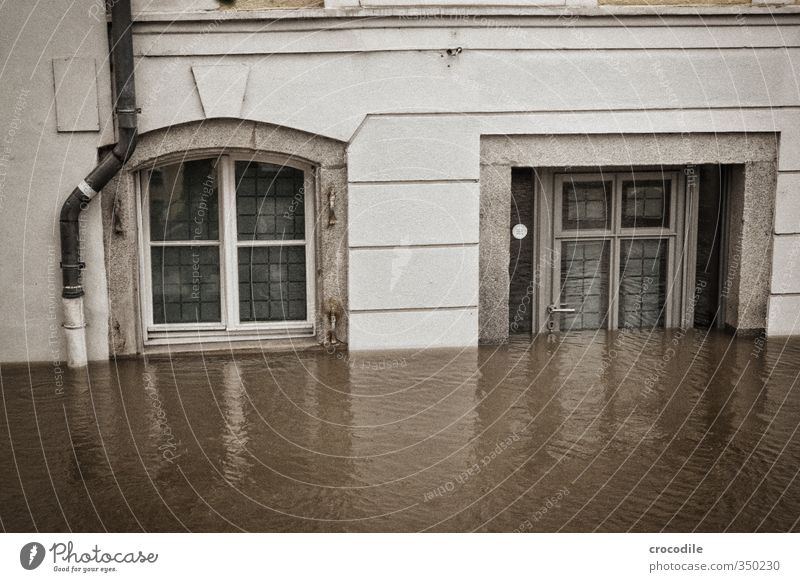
(611, 431)
(236, 461)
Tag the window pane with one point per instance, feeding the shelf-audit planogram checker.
(269, 202)
(586, 205)
(183, 201)
(645, 203)
(185, 284)
(272, 283)
(643, 282)
(584, 284)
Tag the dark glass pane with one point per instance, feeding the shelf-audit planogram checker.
(183, 201)
(645, 203)
(272, 283)
(269, 202)
(584, 284)
(185, 284)
(586, 205)
(642, 282)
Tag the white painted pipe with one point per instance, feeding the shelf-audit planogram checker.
(74, 329)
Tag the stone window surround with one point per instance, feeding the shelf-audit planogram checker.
(120, 230)
(752, 217)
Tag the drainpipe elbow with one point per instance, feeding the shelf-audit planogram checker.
(72, 206)
(123, 150)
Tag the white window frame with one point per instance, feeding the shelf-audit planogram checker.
(230, 327)
(616, 234)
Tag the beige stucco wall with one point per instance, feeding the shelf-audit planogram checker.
(672, 2)
(260, 4)
(39, 166)
(140, 6)
(383, 82)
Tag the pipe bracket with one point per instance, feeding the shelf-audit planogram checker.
(87, 190)
(127, 117)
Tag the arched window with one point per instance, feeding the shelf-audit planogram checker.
(227, 248)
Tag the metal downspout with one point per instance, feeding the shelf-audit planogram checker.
(82, 195)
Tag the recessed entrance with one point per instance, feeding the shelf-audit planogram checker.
(709, 247)
(595, 249)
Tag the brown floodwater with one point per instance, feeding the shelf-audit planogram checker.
(622, 431)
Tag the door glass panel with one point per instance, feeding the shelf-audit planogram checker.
(183, 201)
(584, 284)
(269, 202)
(185, 284)
(272, 283)
(586, 205)
(643, 282)
(645, 203)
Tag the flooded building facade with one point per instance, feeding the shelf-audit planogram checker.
(392, 176)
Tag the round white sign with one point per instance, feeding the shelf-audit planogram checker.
(519, 231)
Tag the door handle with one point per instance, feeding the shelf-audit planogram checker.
(559, 309)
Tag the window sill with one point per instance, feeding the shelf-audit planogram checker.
(199, 337)
(239, 346)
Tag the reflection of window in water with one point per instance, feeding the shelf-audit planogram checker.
(233, 402)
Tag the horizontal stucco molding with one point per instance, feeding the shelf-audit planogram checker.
(330, 94)
(487, 35)
(785, 259)
(178, 11)
(419, 329)
(444, 147)
(787, 204)
(413, 277)
(397, 214)
(784, 315)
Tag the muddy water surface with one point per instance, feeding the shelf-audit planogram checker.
(619, 431)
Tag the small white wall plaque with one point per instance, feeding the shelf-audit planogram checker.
(520, 231)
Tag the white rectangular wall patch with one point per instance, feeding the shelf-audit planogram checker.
(75, 82)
